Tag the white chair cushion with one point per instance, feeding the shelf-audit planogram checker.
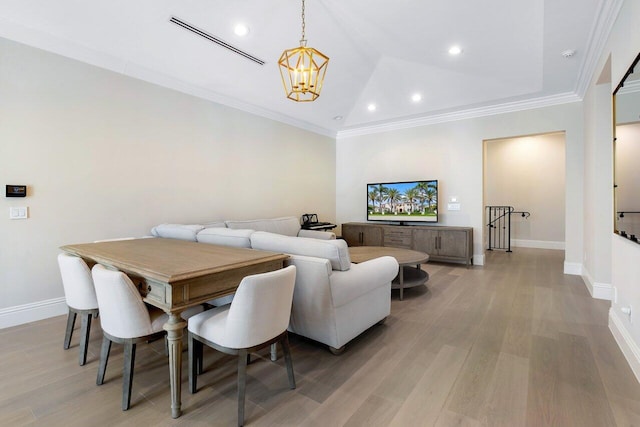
(336, 251)
(238, 238)
(289, 226)
(177, 231)
(77, 282)
(260, 311)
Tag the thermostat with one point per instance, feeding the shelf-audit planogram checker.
(16, 191)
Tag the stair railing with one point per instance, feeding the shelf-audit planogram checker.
(500, 226)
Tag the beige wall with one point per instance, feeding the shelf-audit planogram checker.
(528, 174)
(452, 153)
(106, 155)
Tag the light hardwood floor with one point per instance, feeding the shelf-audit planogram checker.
(514, 343)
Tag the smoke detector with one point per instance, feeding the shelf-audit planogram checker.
(568, 53)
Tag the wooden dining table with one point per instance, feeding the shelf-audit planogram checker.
(174, 275)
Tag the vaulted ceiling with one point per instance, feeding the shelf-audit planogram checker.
(382, 52)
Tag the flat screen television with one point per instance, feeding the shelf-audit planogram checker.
(410, 201)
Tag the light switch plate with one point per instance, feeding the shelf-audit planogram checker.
(18, 212)
(453, 206)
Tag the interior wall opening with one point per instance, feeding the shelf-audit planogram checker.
(524, 192)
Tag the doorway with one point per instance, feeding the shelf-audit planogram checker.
(527, 175)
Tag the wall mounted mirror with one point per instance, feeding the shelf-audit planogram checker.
(626, 153)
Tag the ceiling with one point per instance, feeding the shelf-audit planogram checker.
(381, 52)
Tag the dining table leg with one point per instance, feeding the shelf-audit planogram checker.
(174, 328)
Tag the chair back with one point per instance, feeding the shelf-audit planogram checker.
(77, 283)
(261, 308)
(123, 314)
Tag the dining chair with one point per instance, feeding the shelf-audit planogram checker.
(126, 320)
(257, 317)
(81, 299)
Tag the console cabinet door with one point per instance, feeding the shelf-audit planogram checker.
(357, 235)
(426, 240)
(453, 243)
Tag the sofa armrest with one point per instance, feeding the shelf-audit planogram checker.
(315, 234)
(362, 278)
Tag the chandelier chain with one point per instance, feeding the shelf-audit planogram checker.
(303, 24)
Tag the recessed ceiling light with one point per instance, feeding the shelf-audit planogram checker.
(241, 29)
(455, 50)
(337, 118)
(568, 53)
(371, 107)
(416, 97)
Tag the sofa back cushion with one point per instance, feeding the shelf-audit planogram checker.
(177, 231)
(225, 236)
(289, 226)
(336, 251)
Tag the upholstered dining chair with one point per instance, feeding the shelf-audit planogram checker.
(257, 317)
(81, 300)
(126, 320)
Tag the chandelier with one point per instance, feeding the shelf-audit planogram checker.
(302, 70)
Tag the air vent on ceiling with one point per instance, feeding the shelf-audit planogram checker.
(215, 39)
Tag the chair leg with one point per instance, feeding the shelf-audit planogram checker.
(274, 352)
(127, 374)
(104, 358)
(242, 381)
(288, 361)
(85, 330)
(71, 320)
(193, 363)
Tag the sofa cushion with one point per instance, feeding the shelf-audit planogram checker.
(214, 224)
(177, 231)
(289, 226)
(336, 251)
(226, 237)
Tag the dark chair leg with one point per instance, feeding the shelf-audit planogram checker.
(71, 320)
(193, 363)
(104, 358)
(199, 356)
(242, 381)
(288, 361)
(127, 374)
(85, 330)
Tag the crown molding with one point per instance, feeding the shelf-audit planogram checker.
(630, 87)
(508, 107)
(602, 26)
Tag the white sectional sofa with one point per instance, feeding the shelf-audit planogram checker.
(334, 300)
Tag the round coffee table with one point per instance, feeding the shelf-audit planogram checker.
(408, 276)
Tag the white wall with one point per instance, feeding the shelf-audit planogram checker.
(621, 49)
(528, 174)
(106, 156)
(453, 154)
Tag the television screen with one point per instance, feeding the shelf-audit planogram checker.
(403, 201)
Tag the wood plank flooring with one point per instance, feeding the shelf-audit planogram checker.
(513, 343)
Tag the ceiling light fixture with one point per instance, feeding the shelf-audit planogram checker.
(371, 107)
(302, 70)
(416, 97)
(455, 50)
(241, 30)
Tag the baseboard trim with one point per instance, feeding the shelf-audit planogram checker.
(574, 268)
(629, 348)
(478, 259)
(596, 289)
(21, 314)
(538, 244)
